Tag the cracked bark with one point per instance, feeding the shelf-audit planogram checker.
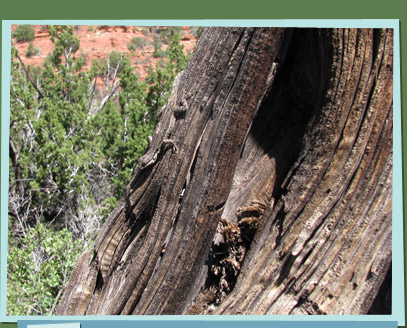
(277, 196)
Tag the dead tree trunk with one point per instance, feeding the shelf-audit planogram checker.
(266, 188)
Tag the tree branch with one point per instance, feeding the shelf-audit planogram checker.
(28, 75)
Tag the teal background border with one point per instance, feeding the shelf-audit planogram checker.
(204, 12)
(219, 324)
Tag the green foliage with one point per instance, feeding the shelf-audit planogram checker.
(137, 43)
(177, 59)
(160, 79)
(43, 28)
(32, 50)
(158, 52)
(167, 33)
(118, 61)
(24, 33)
(65, 43)
(56, 155)
(76, 154)
(38, 269)
(196, 30)
(111, 66)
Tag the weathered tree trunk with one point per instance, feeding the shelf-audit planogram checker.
(266, 188)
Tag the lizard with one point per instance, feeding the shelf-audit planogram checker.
(151, 157)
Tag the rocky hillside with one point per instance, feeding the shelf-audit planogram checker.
(97, 42)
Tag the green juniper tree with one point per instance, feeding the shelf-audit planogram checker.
(24, 33)
(72, 154)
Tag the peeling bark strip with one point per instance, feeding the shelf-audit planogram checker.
(266, 188)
